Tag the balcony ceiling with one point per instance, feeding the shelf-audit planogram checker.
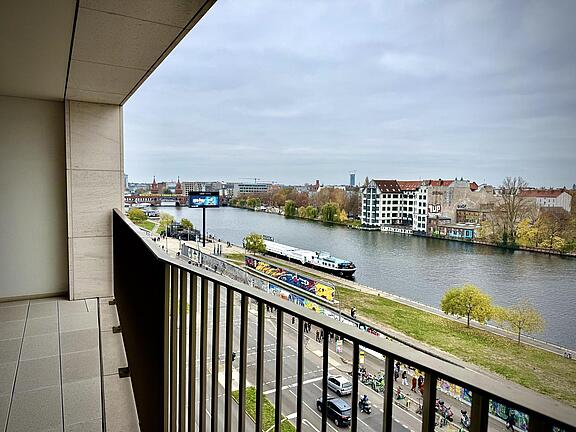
(88, 50)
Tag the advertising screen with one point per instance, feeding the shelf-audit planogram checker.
(203, 199)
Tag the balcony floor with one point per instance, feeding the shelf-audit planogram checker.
(59, 363)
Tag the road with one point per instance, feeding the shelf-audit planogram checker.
(405, 419)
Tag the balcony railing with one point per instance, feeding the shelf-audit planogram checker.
(171, 327)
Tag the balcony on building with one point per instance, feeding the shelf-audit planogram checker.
(100, 330)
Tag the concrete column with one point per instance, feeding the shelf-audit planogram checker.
(95, 179)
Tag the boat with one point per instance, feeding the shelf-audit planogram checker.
(319, 260)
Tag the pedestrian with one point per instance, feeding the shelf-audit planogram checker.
(414, 383)
(404, 378)
(420, 381)
(293, 320)
(321, 335)
(317, 335)
(396, 371)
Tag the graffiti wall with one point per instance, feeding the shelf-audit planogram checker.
(321, 289)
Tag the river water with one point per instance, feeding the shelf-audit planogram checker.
(419, 268)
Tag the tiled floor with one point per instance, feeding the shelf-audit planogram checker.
(52, 374)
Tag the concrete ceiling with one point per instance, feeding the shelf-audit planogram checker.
(89, 50)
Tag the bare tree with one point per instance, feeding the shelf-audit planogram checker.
(514, 207)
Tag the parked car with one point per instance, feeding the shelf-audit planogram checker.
(340, 385)
(338, 410)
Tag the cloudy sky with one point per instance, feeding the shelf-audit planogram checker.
(292, 91)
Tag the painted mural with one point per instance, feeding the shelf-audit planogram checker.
(321, 289)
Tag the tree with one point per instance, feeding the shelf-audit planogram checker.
(165, 220)
(553, 224)
(527, 233)
(253, 202)
(513, 208)
(311, 212)
(329, 212)
(186, 224)
(467, 301)
(136, 215)
(254, 243)
(522, 317)
(289, 208)
(302, 212)
(167, 191)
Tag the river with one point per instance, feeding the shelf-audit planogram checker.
(419, 268)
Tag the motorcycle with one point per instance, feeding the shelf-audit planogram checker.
(444, 410)
(465, 419)
(365, 405)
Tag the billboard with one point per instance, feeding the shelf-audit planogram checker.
(203, 199)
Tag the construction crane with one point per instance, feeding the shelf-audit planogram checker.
(256, 179)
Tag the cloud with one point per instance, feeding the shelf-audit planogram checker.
(295, 91)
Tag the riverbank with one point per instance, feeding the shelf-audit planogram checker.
(536, 368)
(540, 368)
(392, 230)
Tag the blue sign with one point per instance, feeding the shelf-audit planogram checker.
(203, 199)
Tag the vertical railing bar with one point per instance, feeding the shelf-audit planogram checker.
(167, 272)
(174, 339)
(182, 357)
(203, 353)
(300, 375)
(388, 399)
(479, 412)
(538, 423)
(260, 365)
(279, 368)
(192, 353)
(325, 379)
(228, 363)
(355, 367)
(215, 354)
(429, 403)
(243, 362)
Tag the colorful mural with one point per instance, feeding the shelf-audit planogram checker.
(318, 288)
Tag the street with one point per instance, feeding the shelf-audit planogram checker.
(404, 414)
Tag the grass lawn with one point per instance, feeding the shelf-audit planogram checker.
(147, 224)
(539, 370)
(237, 258)
(268, 411)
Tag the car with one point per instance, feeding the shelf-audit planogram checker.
(338, 410)
(340, 385)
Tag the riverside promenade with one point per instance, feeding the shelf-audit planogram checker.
(174, 247)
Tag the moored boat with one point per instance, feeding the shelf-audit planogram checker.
(319, 260)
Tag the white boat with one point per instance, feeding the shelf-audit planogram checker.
(318, 260)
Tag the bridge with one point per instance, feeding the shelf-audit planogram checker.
(156, 200)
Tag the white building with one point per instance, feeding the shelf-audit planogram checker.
(250, 188)
(549, 198)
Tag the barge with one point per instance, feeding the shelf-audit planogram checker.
(319, 260)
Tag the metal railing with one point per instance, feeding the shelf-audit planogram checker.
(173, 351)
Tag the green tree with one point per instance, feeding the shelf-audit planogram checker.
(136, 215)
(186, 224)
(165, 220)
(289, 208)
(253, 202)
(254, 243)
(522, 317)
(311, 212)
(330, 212)
(302, 212)
(467, 301)
(167, 191)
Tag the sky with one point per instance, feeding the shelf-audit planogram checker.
(294, 91)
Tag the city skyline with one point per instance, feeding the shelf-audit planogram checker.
(412, 90)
